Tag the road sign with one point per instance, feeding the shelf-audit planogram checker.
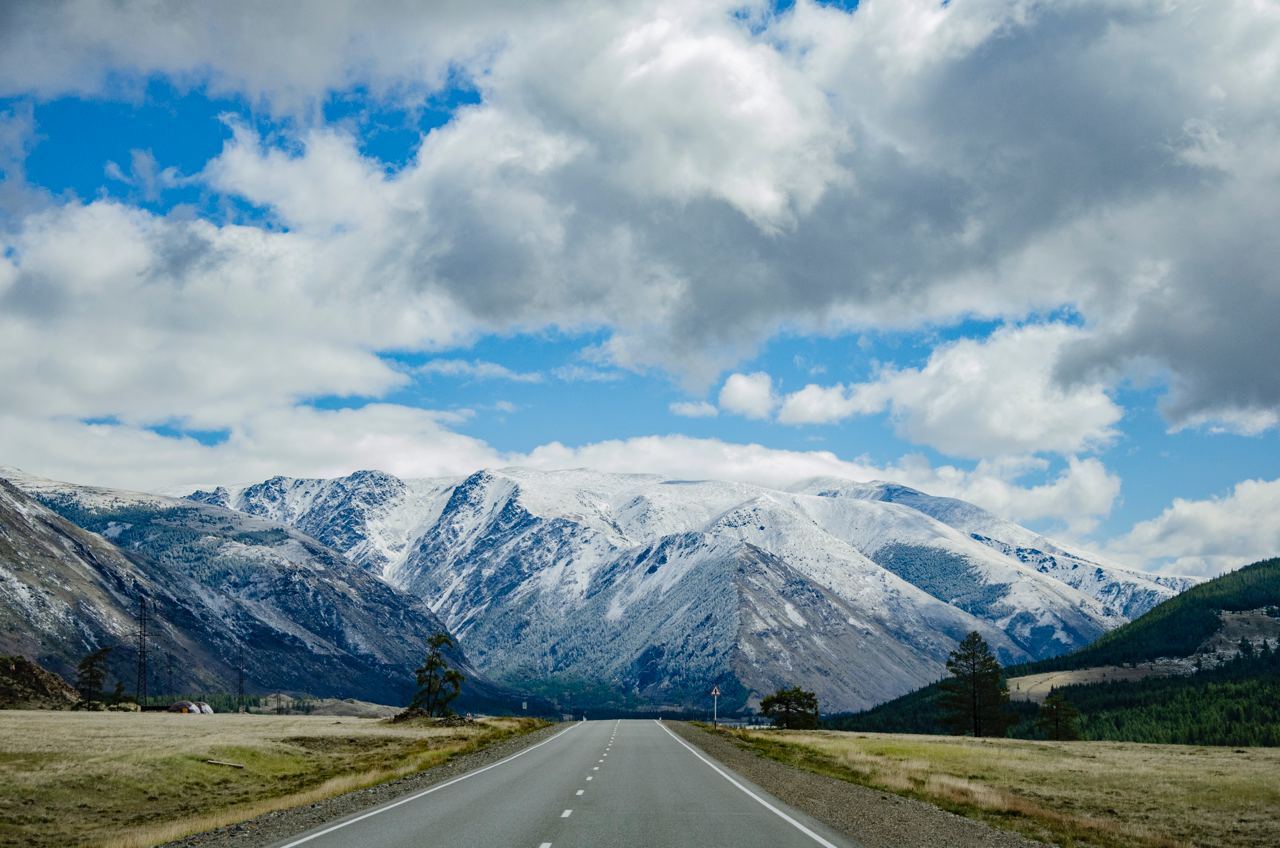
(715, 706)
(715, 691)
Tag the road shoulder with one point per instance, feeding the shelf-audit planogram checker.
(872, 818)
(273, 828)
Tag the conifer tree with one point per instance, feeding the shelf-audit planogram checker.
(975, 698)
(91, 674)
(438, 682)
(795, 708)
(1058, 718)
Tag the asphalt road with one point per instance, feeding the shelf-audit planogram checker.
(597, 784)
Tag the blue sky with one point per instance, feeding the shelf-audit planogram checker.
(648, 237)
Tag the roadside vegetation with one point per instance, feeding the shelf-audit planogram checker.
(1096, 794)
(128, 780)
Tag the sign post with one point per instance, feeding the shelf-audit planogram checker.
(715, 706)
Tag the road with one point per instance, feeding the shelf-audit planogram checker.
(596, 784)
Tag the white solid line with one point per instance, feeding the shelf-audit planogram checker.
(779, 813)
(579, 792)
(566, 814)
(418, 795)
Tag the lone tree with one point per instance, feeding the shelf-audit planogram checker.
(975, 697)
(794, 709)
(1058, 718)
(91, 674)
(438, 682)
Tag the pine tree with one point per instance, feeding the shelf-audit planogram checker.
(795, 708)
(1058, 718)
(975, 698)
(438, 682)
(91, 674)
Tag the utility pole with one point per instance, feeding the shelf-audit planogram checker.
(168, 657)
(143, 620)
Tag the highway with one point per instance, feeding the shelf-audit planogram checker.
(596, 784)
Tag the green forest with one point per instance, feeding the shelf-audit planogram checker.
(1237, 703)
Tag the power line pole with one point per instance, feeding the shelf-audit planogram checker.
(143, 620)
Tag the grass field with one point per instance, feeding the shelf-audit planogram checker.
(128, 780)
(1068, 793)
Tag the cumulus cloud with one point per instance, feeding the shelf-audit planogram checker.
(1208, 537)
(695, 180)
(694, 409)
(748, 394)
(978, 398)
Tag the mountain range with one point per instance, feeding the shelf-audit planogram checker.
(640, 591)
(225, 591)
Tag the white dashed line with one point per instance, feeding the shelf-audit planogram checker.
(566, 814)
(425, 792)
(588, 777)
(545, 845)
(579, 792)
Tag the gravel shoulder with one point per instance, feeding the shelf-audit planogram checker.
(872, 818)
(274, 827)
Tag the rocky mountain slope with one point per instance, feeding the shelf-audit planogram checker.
(639, 590)
(225, 588)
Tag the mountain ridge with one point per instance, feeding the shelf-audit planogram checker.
(515, 559)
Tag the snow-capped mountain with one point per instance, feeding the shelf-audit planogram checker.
(645, 590)
(224, 588)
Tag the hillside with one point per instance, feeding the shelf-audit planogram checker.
(224, 589)
(1178, 627)
(638, 590)
(1233, 699)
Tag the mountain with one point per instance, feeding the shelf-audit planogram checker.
(1123, 593)
(1202, 668)
(223, 588)
(638, 590)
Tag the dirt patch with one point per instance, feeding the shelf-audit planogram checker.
(874, 819)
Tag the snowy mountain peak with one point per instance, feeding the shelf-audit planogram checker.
(552, 577)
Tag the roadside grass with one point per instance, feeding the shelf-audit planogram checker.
(130, 780)
(1095, 794)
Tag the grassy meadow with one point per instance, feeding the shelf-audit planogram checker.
(1106, 794)
(128, 780)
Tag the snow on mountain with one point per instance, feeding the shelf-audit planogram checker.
(639, 589)
(1123, 593)
(224, 588)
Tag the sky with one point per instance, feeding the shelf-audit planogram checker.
(1022, 253)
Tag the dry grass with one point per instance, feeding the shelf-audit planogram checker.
(1107, 794)
(128, 780)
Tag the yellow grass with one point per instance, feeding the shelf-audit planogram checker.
(1108, 794)
(129, 780)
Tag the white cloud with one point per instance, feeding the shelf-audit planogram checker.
(409, 442)
(694, 409)
(1208, 537)
(477, 369)
(994, 397)
(748, 394)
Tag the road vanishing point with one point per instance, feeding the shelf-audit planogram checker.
(595, 784)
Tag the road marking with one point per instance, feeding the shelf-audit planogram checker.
(779, 813)
(566, 814)
(545, 845)
(593, 768)
(588, 777)
(579, 792)
(424, 792)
